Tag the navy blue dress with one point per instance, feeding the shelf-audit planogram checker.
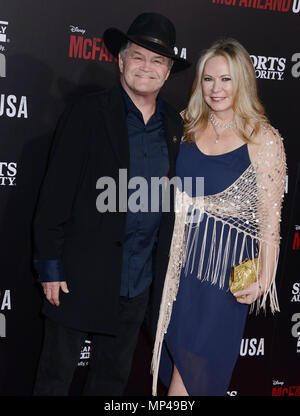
(207, 324)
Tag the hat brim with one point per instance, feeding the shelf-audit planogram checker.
(114, 39)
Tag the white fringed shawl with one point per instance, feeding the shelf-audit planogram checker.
(251, 206)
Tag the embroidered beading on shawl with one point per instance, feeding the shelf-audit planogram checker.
(251, 206)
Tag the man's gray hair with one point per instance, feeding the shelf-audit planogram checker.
(124, 49)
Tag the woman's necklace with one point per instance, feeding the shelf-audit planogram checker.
(215, 123)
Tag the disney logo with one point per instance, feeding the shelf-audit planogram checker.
(277, 383)
(77, 29)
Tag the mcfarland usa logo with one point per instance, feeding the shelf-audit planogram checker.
(279, 389)
(296, 239)
(8, 173)
(87, 48)
(281, 6)
(94, 49)
(252, 347)
(3, 41)
(13, 107)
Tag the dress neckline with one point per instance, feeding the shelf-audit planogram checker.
(221, 154)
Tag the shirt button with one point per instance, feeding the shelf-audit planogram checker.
(118, 243)
(145, 154)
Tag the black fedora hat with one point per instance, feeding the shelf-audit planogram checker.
(152, 31)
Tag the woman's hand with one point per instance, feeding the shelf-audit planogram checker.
(249, 295)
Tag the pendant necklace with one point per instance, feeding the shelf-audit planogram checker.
(215, 123)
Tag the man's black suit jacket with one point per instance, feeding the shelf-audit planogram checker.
(91, 142)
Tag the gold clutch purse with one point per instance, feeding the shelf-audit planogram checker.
(242, 275)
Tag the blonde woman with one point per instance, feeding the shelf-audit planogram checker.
(229, 142)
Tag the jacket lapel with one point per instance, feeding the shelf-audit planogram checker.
(115, 121)
(173, 135)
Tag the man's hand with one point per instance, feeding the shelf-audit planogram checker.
(51, 290)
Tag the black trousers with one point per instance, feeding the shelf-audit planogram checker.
(111, 356)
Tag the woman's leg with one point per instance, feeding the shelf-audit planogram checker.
(177, 387)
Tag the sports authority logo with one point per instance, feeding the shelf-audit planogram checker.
(281, 6)
(8, 173)
(5, 304)
(3, 28)
(279, 389)
(94, 49)
(2, 66)
(269, 67)
(3, 41)
(252, 347)
(296, 292)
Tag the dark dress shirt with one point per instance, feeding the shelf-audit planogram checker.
(148, 158)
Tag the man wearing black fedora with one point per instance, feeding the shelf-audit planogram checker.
(95, 261)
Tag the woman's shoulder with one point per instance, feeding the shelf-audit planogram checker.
(267, 137)
(266, 134)
(267, 147)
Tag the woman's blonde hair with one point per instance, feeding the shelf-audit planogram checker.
(249, 111)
